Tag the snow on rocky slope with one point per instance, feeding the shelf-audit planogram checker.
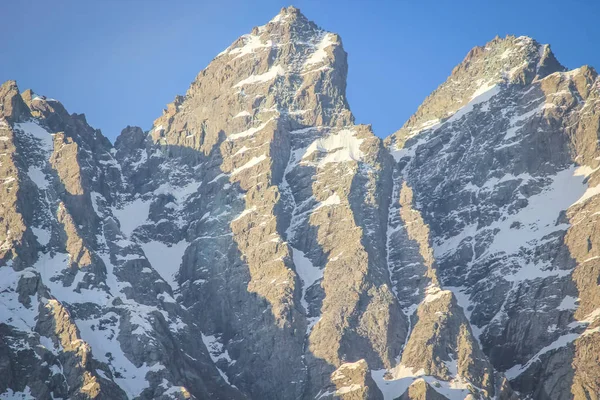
(257, 244)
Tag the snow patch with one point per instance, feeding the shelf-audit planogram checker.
(33, 129)
(242, 114)
(181, 193)
(585, 170)
(254, 161)
(433, 293)
(132, 215)
(107, 348)
(252, 43)
(51, 268)
(568, 303)
(340, 147)
(43, 235)
(217, 352)
(271, 74)
(95, 198)
(514, 125)
(38, 177)
(588, 194)
(320, 54)
(244, 213)
(483, 94)
(407, 151)
(12, 311)
(308, 273)
(536, 221)
(332, 200)
(166, 259)
(393, 388)
(539, 217)
(249, 132)
(11, 395)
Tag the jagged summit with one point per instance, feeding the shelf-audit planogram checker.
(288, 16)
(287, 12)
(517, 59)
(288, 70)
(502, 61)
(20, 106)
(290, 25)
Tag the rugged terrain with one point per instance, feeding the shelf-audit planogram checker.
(257, 244)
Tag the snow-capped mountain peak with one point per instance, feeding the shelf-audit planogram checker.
(257, 244)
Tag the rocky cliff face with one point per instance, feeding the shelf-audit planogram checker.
(257, 244)
(502, 160)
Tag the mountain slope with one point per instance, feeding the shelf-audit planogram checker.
(256, 243)
(502, 159)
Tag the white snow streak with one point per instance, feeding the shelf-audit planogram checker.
(271, 74)
(341, 146)
(308, 273)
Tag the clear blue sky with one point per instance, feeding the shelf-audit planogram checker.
(121, 61)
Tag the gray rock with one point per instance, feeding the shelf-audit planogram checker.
(257, 244)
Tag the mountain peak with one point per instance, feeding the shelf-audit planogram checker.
(510, 60)
(287, 70)
(287, 13)
(289, 26)
(255, 244)
(516, 59)
(287, 16)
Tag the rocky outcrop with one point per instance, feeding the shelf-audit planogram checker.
(12, 107)
(420, 390)
(12, 228)
(64, 161)
(82, 378)
(353, 381)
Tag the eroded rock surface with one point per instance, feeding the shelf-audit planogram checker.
(257, 244)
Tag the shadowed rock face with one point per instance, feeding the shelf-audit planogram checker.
(502, 161)
(256, 244)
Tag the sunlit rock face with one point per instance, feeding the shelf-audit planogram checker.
(501, 160)
(257, 244)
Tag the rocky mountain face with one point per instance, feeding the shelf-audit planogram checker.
(257, 244)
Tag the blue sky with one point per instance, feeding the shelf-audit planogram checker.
(121, 61)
